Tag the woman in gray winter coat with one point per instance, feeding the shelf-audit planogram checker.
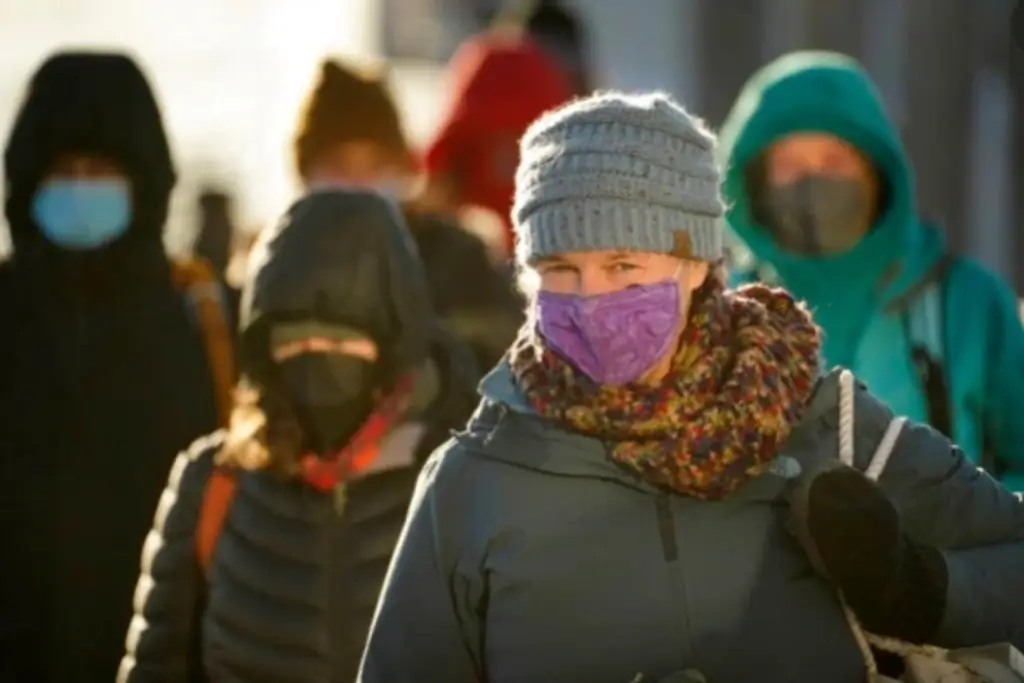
(622, 502)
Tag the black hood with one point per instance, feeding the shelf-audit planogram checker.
(341, 256)
(93, 103)
(216, 233)
(560, 32)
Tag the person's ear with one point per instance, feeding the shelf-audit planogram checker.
(692, 275)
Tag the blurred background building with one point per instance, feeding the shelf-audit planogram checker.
(231, 73)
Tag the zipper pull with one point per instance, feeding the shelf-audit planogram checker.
(340, 498)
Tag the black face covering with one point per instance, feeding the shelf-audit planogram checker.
(332, 394)
(818, 214)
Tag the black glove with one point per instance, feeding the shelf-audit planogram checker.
(854, 536)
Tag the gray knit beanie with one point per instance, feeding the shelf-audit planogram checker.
(618, 171)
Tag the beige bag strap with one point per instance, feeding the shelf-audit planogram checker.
(847, 417)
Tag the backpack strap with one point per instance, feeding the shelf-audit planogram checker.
(196, 279)
(847, 425)
(925, 323)
(217, 497)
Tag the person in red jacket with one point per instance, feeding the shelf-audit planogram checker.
(501, 83)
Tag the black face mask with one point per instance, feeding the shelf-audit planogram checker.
(332, 395)
(818, 214)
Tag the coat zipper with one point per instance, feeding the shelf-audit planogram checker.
(670, 552)
(667, 529)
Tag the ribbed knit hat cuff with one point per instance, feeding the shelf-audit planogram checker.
(602, 224)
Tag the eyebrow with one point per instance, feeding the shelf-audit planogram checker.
(558, 260)
(549, 261)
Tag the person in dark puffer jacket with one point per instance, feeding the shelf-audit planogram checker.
(337, 333)
(350, 134)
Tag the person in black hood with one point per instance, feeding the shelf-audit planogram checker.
(216, 235)
(560, 31)
(106, 376)
(348, 383)
(215, 240)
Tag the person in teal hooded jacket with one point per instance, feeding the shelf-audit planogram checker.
(821, 201)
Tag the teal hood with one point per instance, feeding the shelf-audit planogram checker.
(831, 93)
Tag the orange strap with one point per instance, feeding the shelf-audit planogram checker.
(196, 278)
(217, 497)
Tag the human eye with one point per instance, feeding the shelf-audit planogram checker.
(623, 267)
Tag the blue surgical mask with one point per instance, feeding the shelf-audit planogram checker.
(82, 214)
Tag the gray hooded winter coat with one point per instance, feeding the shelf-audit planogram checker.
(529, 557)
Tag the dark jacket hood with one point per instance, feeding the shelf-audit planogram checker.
(342, 256)
(93, 103)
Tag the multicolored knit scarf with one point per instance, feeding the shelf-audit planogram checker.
(746, 365)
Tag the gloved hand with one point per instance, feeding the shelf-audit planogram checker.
(854, 536)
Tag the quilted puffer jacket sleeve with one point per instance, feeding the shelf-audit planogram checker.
(162, 641)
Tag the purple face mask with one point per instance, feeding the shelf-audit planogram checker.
(612, 338)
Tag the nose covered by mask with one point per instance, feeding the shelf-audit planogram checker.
(332, 393)
(612, 338)
(82, 214)
(819, 215)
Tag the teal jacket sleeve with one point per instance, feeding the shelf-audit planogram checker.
(1004, 381)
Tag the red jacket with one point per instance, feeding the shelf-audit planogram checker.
(500, 86)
